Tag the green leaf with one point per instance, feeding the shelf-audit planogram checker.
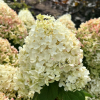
(60, 92)
(78, 95)
(54, 92)
(48, 92)
(69, 95)
(66, 96)
(87, 94)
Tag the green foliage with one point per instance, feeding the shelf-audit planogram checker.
(87, 94)
(17, 6)
(53, 92)
(69, 95)
(48, 92)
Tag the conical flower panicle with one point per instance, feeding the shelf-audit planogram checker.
(89, 36)
(51, 53)
(11, 26)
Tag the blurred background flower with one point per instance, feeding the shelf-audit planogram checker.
(27, 18)
(89, 36)
(11, 26)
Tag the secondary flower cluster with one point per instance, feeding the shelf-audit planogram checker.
(7, 84)
(8, 54)
(26, 16)
(66, 20)
(51, 53)
(89, 36)
(11, 26)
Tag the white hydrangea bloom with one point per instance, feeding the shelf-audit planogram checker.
(7, 83)
(66, 20)
(51, 53)
(26, 16)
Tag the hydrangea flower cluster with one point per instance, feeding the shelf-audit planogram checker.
(8, 54)
(26, 16)
(66, 20)
(89, 36)
(11, 26)
(7, 84)
(51, 53)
